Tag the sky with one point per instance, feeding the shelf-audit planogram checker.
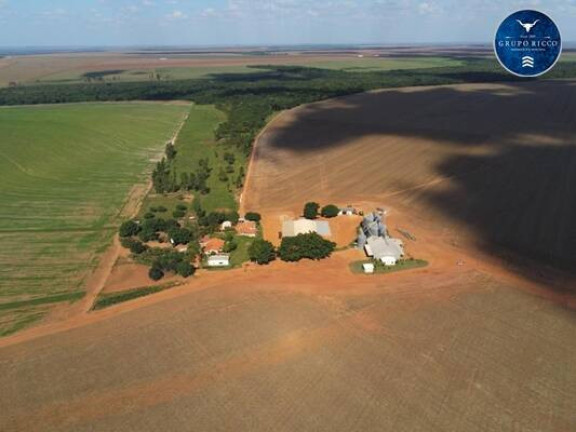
(83, 23)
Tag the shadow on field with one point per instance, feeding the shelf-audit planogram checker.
(517, 194)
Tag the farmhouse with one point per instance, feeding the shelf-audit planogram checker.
(218, 261)
(291, 228)
(247, 228)
(212, 245)
(374, 239)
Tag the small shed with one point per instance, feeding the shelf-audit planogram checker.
(347, 211)
(218, 261)
(368, 268)
(225, 225)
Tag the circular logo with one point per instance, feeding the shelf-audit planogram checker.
(528, 43)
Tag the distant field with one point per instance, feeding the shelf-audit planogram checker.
(383, 64)
(124, 67)
(65, 173)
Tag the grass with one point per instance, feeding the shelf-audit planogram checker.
(408, 264)
(65, 173)
(69, 297)
(196, 141)
(240, 255)
(111, 299)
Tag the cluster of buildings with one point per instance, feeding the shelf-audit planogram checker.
(212, 247)
(374, 239)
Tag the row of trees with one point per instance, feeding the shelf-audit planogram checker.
(303, 246)
(312, 210)
(165, 178)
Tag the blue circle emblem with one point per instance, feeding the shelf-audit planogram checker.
(528, 43)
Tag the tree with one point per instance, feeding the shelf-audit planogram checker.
(222, 175)
(252, 216)
(197, 208)
(230, 246)
(311, 246)
(170, 151)
(311, 210)
(233, 217)
(148, 234)
(129, 229)
(261, 251)
(180, 235)
(178, 213)
(330, 211)
(135, 246)
(185, 269)
(230, 158)
(155, 273)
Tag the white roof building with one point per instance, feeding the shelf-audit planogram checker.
(386, 249)
(291, 228)
(225, 225)
(218, 261)
(368, 267)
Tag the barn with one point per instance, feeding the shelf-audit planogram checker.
(291, 228)
(374, 239)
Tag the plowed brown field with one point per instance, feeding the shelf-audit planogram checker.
(495, 165)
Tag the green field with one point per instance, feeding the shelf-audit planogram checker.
(151, 74)
(371, 64)
(66, 172)
(351, 64)
(196, 141)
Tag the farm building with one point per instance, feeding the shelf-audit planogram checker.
(368, 268)
(218, 261)
(291, 228)
(374, 239)
(225, 225)
(385, 249)
(212, 245)
(347, 211)
(247, 229)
